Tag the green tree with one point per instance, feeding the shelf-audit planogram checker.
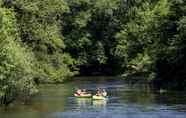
(39, 27)
(16, 62)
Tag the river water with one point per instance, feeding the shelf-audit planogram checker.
(125, 101)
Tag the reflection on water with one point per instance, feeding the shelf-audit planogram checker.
(99, 103)
(125, 101)
(82, 103)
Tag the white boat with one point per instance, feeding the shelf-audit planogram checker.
(95, 97)
(83, 96)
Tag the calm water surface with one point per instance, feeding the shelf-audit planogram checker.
(125, 101)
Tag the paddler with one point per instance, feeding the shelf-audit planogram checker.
(98, 92)
(84, 91)
(104, 93)
(78, 92)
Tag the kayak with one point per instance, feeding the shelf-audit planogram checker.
(95, 97)
(83, 96)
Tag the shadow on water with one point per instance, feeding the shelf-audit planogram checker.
(125, 101)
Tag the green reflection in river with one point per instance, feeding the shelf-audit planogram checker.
(57, 101)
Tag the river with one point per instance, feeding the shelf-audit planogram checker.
(125, 101)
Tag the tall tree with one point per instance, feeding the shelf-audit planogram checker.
(16, 62)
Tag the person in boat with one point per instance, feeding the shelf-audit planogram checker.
(78, 92)
(104, 93)
(98, 92)
(84, 91)
(101, 93)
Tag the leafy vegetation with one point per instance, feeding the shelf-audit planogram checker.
(17, 64)
(153, 44)
(49, 41)
(31, 47)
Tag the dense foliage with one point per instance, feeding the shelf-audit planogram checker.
(153, 42)
(16, 65)
(50, 40)
(31, 46)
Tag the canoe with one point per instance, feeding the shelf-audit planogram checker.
(83, 96)
(95, 97)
